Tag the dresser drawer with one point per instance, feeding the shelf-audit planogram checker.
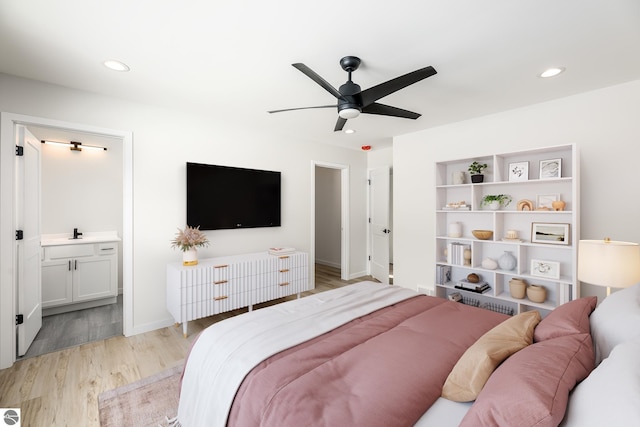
(68, 251)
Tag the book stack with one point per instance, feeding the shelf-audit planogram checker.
(281, 251)
(480, 287)
(455, 253)
(443, 274)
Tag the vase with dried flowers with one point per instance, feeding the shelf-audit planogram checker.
(188, 240)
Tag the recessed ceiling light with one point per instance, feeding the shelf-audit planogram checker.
(112, 64)
(551, 72)
(349, 131)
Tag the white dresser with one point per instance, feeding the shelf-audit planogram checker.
(222, 284)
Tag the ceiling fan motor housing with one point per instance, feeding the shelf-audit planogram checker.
(351, 99)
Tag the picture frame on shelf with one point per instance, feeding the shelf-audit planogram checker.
(546, 200)
(519, 171)
(545, 269)
(550, 233)
(550, 169)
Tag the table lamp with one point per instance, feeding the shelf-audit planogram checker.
(608, 263)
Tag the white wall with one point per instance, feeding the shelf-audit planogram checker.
(163, 141)
(605, 126)
(81, 189)
(328, 209)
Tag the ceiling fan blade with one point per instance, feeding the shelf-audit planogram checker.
(302, 108)
(371, 95)
(316, 78)
(388, 110)
(339, 124)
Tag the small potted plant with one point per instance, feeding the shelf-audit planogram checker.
(475, 169)
(495, 201)
(188, 240)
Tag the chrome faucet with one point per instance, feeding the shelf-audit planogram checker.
(76, 235)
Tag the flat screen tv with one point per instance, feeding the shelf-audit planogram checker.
(223, 197)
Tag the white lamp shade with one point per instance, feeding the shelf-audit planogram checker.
(609, 263)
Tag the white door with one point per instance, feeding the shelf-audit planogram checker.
(27, 202)
(379, 231)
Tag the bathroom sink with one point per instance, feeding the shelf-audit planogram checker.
(88, 237)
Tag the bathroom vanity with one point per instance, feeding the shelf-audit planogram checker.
(79, 273)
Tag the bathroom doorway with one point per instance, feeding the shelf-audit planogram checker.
(93, 194)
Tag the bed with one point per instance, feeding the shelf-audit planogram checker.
(378, 355)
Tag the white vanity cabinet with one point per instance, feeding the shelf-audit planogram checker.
(73, 274)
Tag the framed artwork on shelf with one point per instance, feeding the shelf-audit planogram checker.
(546, 200)
(519, 171)
(550, 233)
(550, 169)
(546, 269)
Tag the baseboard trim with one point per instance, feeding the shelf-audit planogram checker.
(151, 326)
(358, 275)
(329, 263)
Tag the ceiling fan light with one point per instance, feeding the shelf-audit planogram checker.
(349, 113)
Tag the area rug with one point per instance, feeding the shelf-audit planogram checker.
(147, 402)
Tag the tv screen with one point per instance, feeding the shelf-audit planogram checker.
(223, 197)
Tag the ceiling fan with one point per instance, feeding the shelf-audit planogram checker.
(352, 100)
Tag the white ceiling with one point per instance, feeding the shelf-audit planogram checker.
(232, 59)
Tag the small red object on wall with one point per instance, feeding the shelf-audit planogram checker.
(366, 147)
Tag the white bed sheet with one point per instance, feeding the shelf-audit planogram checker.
(444, 413)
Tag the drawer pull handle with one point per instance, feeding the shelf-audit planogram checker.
(284, 284)
(106, 249)
(284, 257)
(285, 270)
(221, 266)
(220, 298)
(220, 282)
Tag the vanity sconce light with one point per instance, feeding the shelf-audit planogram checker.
(74, 145)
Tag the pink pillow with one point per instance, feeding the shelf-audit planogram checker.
(569, 318)
(531, 388)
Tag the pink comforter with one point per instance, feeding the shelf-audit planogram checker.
(383, 369)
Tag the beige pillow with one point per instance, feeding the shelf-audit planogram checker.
(472, 371)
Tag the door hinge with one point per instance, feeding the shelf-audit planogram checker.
(369, 181)
(19, 150)
(19, 234)
(19, 319)
(369, 220)
(369, 257)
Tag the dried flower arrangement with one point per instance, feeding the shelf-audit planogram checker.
(189, 238)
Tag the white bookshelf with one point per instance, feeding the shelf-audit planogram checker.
(536, 189)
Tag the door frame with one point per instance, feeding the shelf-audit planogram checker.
(344, 217)
(8, 275)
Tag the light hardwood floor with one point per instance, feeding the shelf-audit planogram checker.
(62, 388)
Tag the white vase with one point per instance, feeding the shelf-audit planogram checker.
(507, 261)
(455, 229)
(190, 257)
